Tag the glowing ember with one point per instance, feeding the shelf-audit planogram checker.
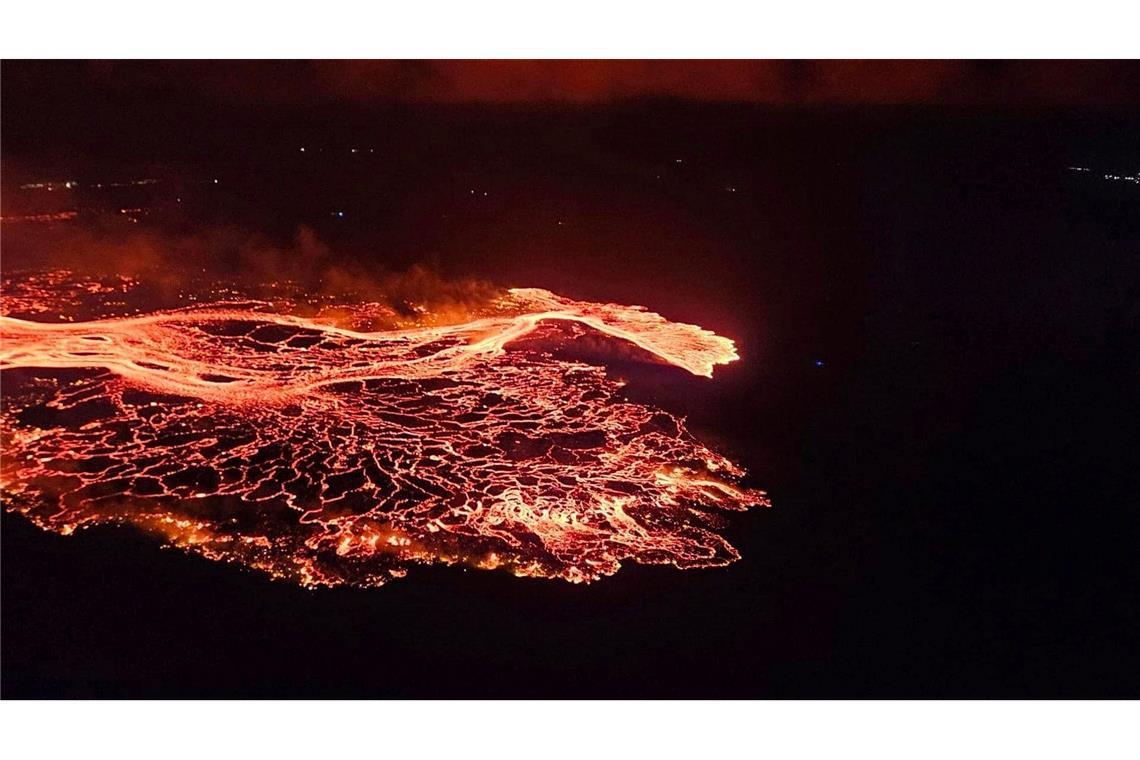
(319, 451)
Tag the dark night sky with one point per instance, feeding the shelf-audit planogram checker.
(259, 83)
(70, 111)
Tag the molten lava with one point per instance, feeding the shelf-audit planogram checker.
(328, 453)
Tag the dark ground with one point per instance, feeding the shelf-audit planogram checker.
(938, 388)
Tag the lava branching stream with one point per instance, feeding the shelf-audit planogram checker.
(325, 453)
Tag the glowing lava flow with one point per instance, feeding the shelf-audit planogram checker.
(329, 455)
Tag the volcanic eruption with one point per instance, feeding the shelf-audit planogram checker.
(310, 445)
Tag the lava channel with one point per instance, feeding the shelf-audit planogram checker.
(327, 454)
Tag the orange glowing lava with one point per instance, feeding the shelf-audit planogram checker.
(324, 453)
